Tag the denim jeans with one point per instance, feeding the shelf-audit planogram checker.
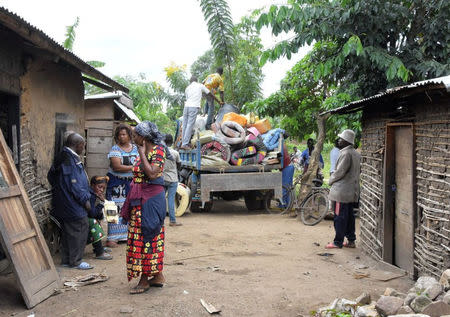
(209, 109)
(171, 190)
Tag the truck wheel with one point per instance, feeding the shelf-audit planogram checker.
(197, 206)
(253, 201)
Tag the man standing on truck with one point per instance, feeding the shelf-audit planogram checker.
(213, 82)
(193, 95)
(344, 191)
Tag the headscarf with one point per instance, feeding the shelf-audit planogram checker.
(150, 131)
(99, 180)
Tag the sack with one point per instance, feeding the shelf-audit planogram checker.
(262, 125)
(225, 109)
(231, 116)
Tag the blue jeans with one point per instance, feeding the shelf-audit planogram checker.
(171, 190)
(209, 109)
(287, 177)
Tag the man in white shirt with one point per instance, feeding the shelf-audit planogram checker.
(193, 94)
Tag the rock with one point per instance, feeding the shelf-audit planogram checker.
(446, 298)
(366, 311)
(388, 305)
(363, 299)
(433, 291)
(410, 315)
(409, 298)
(445, 279)
(419, 303)
(392, 292)
(423, 283)
(126, 310)
(405, 310)
(437, 309)
(345, 305)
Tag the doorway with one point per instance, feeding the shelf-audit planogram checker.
(10, 124)
(399, 210)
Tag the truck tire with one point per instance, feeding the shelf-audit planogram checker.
(182, 198)
(196, 206)
(253, 201)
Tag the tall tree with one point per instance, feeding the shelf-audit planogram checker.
(220, 27)
(379, 44)
(70, 35)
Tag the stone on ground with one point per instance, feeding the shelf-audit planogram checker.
(405, 310)
(437, 309)
(446, 298)
(445, 279)
(409, 298)
(423, 283)
(367, 311)
(419, 303)
(433, 290)
(388, 305)
(363, 299)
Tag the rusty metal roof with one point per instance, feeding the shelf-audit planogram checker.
(420, 86)
(41, 40)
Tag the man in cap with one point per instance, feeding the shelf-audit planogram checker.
(344, 191)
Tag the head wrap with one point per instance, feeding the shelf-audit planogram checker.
(99, 180)
(150, 131)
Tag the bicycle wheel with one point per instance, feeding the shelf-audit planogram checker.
(314, 208)
(274, 206)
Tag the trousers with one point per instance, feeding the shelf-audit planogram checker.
(344, 223)
(171, 190)
(189, 117)
(209, 109)
(73, 240)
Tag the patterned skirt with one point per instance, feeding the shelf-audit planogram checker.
(143, 258)
(117, 191)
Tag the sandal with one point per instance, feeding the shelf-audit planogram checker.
(139, 290)
(84, 266)
(104, 256)
(331, 245)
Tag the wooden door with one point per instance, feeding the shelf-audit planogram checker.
(399, 211)
(21, 236)
(404, 202)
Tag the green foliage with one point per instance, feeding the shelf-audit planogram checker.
(302, 96)
(220, 27)
(148, 98)
(176, 76)
(379, 44)
(245, 69)
(70, 35)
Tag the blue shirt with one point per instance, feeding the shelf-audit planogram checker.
(70, 186)
(334, 154)
(126, 158)
(304, 159)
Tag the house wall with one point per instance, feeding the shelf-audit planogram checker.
(47, 88)
(431, 116)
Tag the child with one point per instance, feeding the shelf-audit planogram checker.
(96, 234)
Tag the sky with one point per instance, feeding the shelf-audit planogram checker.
(141, 36)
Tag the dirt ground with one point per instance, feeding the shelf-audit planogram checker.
(244, 263)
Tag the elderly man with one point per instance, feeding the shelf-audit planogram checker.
(71, 198)
(344, 191)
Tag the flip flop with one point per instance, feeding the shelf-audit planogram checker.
(155, 284)
(139, 290)
(331, 245)
(84, 266)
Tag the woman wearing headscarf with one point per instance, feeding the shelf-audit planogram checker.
(145, 210)
(122, 157)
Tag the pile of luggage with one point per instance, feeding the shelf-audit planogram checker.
(237, 139)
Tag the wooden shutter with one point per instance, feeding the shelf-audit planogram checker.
(21, 235)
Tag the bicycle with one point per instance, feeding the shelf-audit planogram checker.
(311, 210)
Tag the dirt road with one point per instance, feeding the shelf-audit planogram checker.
(245, 263)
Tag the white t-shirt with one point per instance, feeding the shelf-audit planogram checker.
(193, 94)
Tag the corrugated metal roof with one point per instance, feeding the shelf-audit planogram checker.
(435, 83)
(34, 35)
(128, 112)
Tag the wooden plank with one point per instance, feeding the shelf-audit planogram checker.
(99, 124)
(10, 192)
(99, 132)
(388, 182)
(24, 235)
(100, 145)
(101, 110)
(21, 237)
(97, 160)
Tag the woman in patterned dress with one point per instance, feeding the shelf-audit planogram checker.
(145, 210)
(122, 157)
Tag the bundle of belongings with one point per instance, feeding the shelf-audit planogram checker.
(236, 139)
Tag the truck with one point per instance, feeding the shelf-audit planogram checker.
(252, 182)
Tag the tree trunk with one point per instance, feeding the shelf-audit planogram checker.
(307, 178)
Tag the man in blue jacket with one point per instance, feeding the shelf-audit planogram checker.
(71, 200)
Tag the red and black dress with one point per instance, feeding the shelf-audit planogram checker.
(145, 210)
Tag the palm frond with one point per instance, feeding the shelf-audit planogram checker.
(70, 35)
